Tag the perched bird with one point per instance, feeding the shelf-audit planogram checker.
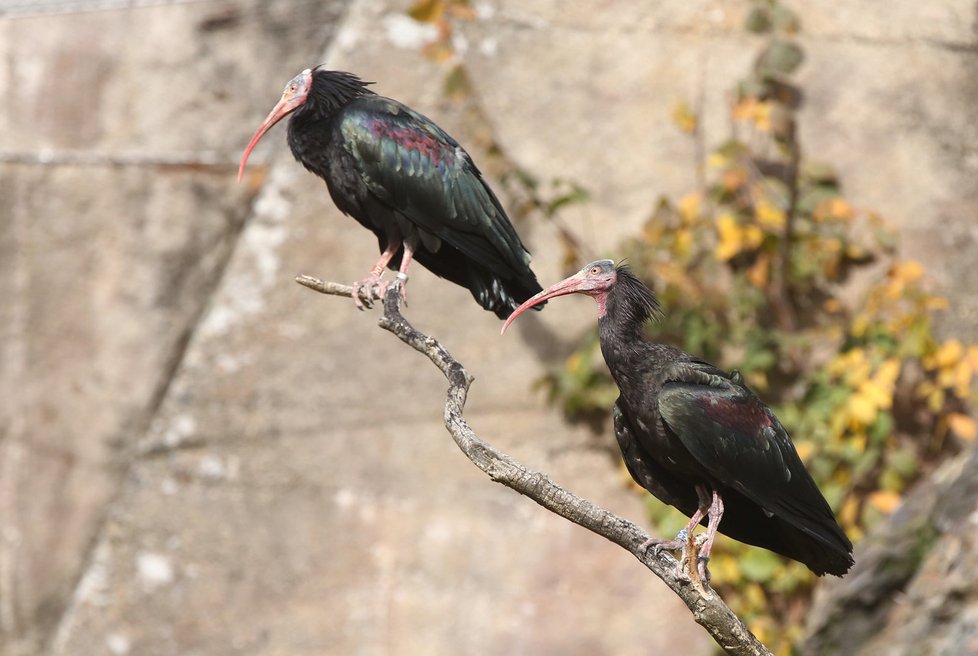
(698, 439)
(410, 183)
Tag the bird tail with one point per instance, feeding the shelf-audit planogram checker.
(499, 295)
(498, 292)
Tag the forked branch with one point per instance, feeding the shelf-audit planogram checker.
(708, 609)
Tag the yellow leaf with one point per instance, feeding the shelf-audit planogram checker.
(946, 377)
(757, 380)
(752, 236)
(888, 372)
(745, 109)
(805, 448)
(730, 237)
(684, 117)
(908, 271)
(849, 512)
(755, 595)
(684, 242)
(769, 215)
(757, 274)
(852, 360)
(690, 207)
(885, 501)
(832, 305)
(717, 160)
(762, 117)
(761, 627)
(733, 179)
(427, 11)
(861, 408)
(840, 209)
(963, 426)
(949, 354)
(879, 395)
(900, 275)
(462, 11)
(724, 568)
(438, 51)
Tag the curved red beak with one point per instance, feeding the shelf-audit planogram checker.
(295, 94)
(579, 283)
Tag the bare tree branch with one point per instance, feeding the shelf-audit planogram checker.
(708, 609)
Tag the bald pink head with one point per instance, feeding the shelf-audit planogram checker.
(295, 94)
(595, 280)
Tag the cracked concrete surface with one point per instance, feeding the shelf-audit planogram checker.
(200, 456)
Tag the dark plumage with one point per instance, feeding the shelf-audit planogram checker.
(698, 439)
(406, 180)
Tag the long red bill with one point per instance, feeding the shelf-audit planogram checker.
(574, 284)
(295, 94)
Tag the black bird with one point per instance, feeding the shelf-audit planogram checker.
(698, 439)
(410, 183)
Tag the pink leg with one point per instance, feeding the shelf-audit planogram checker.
(685, 541)
(368, 286)
(402, 273)
(715, 514)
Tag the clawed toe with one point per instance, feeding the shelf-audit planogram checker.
(367, 290)
(658, 545)
(372, 288)
(702, 569)
(693, 558)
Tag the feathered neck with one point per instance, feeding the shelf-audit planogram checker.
(630, 304)
(331, 90)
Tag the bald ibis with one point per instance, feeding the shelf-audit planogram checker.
(406, 180)
(698, 439)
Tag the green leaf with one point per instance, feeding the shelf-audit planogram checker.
(759, 565)
(813, 196)
(903, 461)
(752, 86)
(818, 172)
(882, 428)
(784, 20)
(457, 83)
(759, 20)
(779, 58)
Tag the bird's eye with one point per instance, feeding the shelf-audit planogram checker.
(595, 270)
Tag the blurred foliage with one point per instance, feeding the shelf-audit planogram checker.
(769, 269)
(766, 267)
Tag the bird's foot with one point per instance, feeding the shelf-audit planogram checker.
(369, 289)
(658, 545)
(374, 288)
(703, 547)
(401, 280)
(702, 569)
(694, 561)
